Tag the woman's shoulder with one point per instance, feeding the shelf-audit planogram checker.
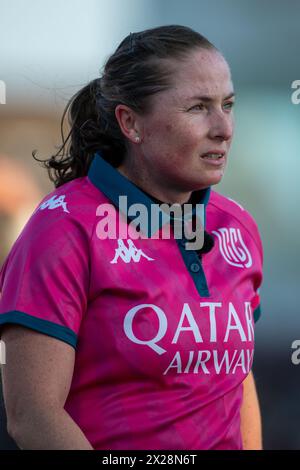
(73, 202)
(67, 212)
(72, 197)
(232, 212)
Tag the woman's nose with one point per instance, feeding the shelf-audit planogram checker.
(221, 127)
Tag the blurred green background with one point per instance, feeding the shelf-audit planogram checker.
(49, 49)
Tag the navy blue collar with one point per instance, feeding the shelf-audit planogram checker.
(113, 184)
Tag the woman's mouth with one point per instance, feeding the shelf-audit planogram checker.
(214, 158)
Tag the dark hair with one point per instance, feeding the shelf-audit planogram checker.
(137, 70)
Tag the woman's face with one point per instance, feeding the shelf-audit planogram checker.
(187, 122)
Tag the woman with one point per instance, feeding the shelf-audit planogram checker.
(136, 342)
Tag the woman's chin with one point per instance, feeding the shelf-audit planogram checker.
(213, 178)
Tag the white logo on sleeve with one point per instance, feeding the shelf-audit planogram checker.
(128, 254)
(54, 202)
(233, 248)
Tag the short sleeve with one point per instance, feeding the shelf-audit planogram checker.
(256, 306)
(44, 280)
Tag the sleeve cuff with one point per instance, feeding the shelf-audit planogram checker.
(257, 313)
(42, 326)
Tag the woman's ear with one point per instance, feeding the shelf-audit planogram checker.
(129, 123)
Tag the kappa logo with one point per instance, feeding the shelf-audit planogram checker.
(233, 248)
(132, 253)
(54, 202)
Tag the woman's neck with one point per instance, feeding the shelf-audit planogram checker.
(159, 192)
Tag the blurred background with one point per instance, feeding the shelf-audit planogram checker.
(50, 49)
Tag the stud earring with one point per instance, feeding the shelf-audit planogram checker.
(137, 139)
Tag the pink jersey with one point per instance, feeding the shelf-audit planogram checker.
(164, 337)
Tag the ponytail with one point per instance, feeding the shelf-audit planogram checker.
(86, 136)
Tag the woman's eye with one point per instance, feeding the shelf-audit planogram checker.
(198, 106)
(229, 105)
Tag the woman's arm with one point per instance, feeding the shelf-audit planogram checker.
(250, 416)
(36, 382)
